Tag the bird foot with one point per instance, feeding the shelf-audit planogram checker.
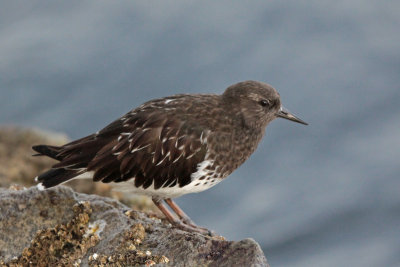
(184, 222)
(189, 222)
(192, 228)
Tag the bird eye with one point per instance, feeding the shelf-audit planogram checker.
(264, 102)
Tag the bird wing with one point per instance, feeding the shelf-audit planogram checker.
(150, 147)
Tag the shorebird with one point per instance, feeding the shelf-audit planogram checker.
(171, 146)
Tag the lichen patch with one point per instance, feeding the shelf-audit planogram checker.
(63, 245)
(130, 252)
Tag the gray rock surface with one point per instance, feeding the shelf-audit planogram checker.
(17, 166)
(60, 226)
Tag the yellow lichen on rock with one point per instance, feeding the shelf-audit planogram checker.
(62, 245)
(129, 252)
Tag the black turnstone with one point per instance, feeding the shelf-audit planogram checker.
(171, 146)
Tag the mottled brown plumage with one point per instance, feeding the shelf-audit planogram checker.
(172, 146)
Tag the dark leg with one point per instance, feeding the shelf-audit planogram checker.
(173, 220)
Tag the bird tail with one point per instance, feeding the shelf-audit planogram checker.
(73, 159)
(55, 177)
(50, 151)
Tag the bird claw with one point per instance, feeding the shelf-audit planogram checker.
(193, 228)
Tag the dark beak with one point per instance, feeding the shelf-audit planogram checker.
(284, 113)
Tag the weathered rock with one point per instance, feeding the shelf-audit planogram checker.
(60, 226)
(17, 166)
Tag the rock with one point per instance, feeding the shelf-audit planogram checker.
(17, 166)
(62, 227)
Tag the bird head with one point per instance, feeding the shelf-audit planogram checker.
(257, 103)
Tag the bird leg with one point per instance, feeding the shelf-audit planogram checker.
(181, 214)
(190, 227)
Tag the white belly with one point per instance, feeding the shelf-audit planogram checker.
(195, 186)
(166, 192)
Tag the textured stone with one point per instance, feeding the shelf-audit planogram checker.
(104, 231)
(18, 167)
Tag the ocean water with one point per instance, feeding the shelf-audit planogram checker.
(323, 195)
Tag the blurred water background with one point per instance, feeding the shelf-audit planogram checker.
(323, 195)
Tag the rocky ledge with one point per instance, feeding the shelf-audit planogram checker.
(62, 227)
